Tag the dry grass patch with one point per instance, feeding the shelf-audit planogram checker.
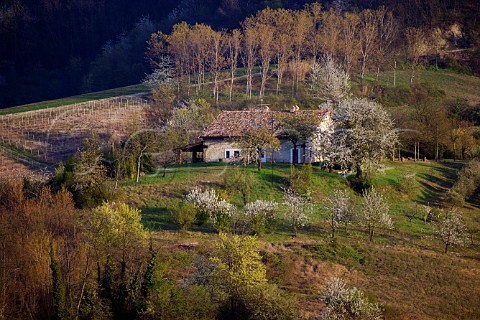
(421, 284)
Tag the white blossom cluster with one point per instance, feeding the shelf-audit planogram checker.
(451, 229)
(328, 80)
(341, 208)
(363, 133)
(297, 209)
(210, 203)
(375, 210)
(163, 75)
(348, 303)
(261, 209)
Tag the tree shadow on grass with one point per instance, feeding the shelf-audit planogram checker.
(158, 219)
(274, 179)
(434, 187)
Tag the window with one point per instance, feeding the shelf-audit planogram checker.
(232, 153)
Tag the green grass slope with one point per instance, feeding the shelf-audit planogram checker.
(404, 269)
(134, 89)
(454, 85)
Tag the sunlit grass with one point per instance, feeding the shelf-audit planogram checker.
(76, 99)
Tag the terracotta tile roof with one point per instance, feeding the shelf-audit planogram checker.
(229, 124)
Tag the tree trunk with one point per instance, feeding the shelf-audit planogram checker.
(454, 151)
(295, 155)
(412, 73)
(138, 167)
(333, 228)
(394, 73)
(446, 247)
(232, 74)
(371, 234)
(359, 171)
(259, 161)
(364, 62)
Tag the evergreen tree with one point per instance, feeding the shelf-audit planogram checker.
(147, 283)
(58, 288)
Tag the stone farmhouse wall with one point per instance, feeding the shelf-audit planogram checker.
(215, 151)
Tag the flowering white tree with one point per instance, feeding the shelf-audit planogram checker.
(374, 213)
(298, 209)
(328, 80)
(451, 229)
(209, 205)
(341, 210)
(163, 75)
(363, 134)
(348, 303)
(261, 215)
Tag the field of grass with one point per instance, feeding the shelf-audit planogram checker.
(404, 269)
(454, 85)
(77, 99)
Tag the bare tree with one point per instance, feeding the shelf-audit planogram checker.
(249, 49)
(368, 37)
(301, 27)
(216, 57)
(179, 48)
(282, 43)
(264, 25)
(200, 44)
(349, 40)
(387, 32)
(315, 35)
(234, 43)
(330, 33)
(416, 47)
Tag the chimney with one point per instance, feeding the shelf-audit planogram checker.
(294, 109)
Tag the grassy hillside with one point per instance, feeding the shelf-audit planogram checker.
(454, 85)
(404, 269)
(76, 99)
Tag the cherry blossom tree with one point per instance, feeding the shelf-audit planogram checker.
(211, 206)
(341, 210)
(298, 210)
(348, 303)
(261, 215)
(363, 134)
(375, 212)
(450, 228)
(327, 80)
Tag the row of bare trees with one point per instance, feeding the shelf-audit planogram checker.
(289, 39)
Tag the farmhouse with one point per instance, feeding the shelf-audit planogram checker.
(219, 140)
